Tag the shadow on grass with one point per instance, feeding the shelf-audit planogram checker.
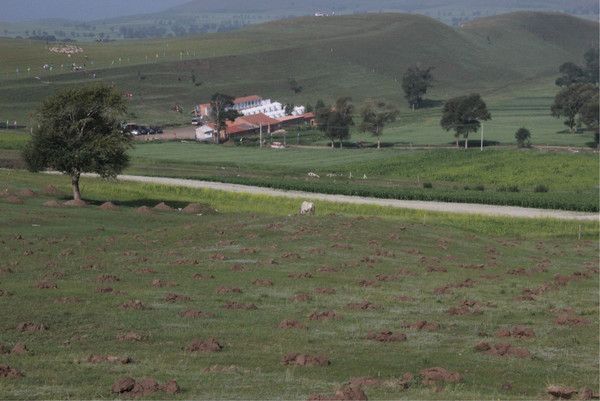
(474, 143)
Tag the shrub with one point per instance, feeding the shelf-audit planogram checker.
(523, 137)
(509, 188)
(427, 185)
(540, 188)
(479, 187)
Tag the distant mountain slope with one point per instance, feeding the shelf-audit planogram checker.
(357, 55)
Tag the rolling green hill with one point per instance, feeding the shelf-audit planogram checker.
(359, 55)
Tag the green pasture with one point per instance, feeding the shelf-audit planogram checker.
(406, 254)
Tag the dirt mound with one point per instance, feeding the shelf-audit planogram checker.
(31, 327)
(17, 349)
(349, 392)
(299, 276)
(134, 304)
(561, 392)
(305, 360)
(239, 306)
(10, 373)
(364, 305)
(502, 349)
(386, 336)
(129, 336)
(171, 297)
(46, 285)
(198, 208)
(14, 200)
(143, 388)
(364, 381)
(325, 291)
(567, 319)
(75, 203)
(324, 315)
(109, 358)
(424, 325)
(210, 345)
(465, 308)
(108, 206)
(587, 393)
(203, 277)
(107, 278)
(25, 193)
(516, 332)
(143, 210)
(195, 314)
(291, 324)
(228, 290)
(301, 297)
(157, 283)
(50, 190)
(52, 203)
(163, 207)
(262, 283)
(439, 375)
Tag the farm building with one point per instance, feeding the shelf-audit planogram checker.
(251, 105)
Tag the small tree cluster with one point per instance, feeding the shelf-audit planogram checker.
(463, 115)
(415, 83)
(335, 121)
(523, 137)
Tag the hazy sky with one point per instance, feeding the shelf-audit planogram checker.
(23, 10)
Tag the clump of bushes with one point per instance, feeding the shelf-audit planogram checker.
(427, 185)
(523, 137)
(477, 187)
(509, 188)
(540, 188)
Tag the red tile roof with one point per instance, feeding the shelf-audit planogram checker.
(260, 119)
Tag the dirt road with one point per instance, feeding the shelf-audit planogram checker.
(446, 207)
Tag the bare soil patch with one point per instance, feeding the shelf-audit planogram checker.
(210, 345)
(296, 359)
(386, 336)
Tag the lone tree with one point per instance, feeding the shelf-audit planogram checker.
(463, 115)
(590, 112)
(335, 122)
(295, 86)
(221, 111)
(375, 116)
(415, 83)
(569, 102)
(77, 131)
(523, 137)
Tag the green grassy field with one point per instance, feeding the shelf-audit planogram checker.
(403, 263)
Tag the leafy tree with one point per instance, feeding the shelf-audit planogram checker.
(415, 83)
(77, 131)
(571, 74)
(309, 108)
(523, 137)
(336, 121)
(569, 102)
(591, 65)
(375, 115)
(320, 104)
(295, 86)
(289, 109)
(590, 111)
(463, 115)
(221, 111)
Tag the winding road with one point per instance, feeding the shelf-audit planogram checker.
(445, 207)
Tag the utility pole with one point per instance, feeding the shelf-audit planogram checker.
(482, 137)
(261, 144)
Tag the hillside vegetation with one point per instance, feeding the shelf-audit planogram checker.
(360, 55)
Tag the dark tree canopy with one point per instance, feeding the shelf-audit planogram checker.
(77, 131)
(375, 116)
(463, 115)
(415, 83)
(295, 86)
(571, 74)
(336, 121)
(569, 102)
(591, 65)
(590, 112)
(523, 136)
(220, 112)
